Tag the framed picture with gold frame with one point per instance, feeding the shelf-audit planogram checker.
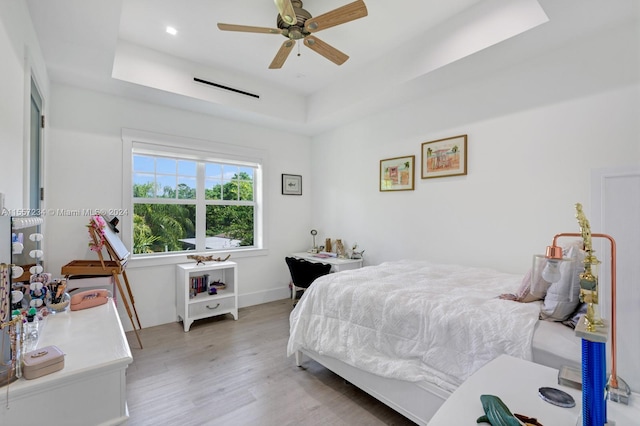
(397, 174)
(444, 157)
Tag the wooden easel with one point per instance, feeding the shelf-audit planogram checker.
(115, 267)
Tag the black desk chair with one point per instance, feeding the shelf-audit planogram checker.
(303, 273)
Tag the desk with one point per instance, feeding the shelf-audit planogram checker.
(337, 265)
(90, 389)
(516, 383)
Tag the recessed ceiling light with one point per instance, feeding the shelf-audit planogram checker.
(172, 31)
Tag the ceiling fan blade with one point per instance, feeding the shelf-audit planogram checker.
(329, 52)
(349, 12)
(282, 54)
(249, 29)
(285, 9)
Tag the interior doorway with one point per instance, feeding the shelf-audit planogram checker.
(35, 149)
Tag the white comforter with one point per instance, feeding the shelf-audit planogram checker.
(414, 320)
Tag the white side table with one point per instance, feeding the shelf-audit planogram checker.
(516, 383)
(337, 265)
(204, 305)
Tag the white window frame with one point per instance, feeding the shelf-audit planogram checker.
(196, 149)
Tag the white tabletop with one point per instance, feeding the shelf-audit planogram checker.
(91, 339)
(337, 264)
(331, 260)
(516, 383)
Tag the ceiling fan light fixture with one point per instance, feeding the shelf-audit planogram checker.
(295, 34)
(288, 19)
(297, 19)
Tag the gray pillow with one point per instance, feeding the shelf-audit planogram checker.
(575, 317)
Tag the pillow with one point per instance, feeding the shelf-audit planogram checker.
(556, 307)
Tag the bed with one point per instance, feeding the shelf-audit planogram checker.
(410, 332)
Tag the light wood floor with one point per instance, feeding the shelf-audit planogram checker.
(226, 372)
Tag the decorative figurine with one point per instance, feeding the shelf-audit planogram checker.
(327, 245)
(355, 254)
(201, 259)
(340, 249)
(497, 413)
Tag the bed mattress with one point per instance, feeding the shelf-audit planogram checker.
(556, 345)
(423, 322)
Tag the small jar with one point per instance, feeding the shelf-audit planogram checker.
(55, 305)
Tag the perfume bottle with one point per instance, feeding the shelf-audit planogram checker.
(31, 327)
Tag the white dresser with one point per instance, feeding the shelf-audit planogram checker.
(90, 389)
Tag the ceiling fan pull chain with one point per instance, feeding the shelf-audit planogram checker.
(298, 43)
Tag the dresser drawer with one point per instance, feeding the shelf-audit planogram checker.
(212, 307)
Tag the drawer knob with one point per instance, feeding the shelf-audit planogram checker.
(213, 307)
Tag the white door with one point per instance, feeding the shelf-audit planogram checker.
(615, 194)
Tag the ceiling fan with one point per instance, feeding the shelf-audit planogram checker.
(295, 23)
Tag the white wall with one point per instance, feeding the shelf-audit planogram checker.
(85, 172)
(535, 132)
(21, 57)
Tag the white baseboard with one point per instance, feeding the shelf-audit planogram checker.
(265, 296)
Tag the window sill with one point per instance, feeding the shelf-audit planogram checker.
(174, 259)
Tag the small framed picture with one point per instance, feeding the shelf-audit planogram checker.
(397, 174)
(291, 184)
(444, 157)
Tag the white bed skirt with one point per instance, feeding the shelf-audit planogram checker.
(418, 401)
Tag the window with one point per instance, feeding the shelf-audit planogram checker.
(193, 202)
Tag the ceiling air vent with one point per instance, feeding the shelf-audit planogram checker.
(221, 86)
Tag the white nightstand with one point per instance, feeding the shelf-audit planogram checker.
(516, 382)
(204, 305)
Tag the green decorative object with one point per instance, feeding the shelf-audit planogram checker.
(496, 412)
